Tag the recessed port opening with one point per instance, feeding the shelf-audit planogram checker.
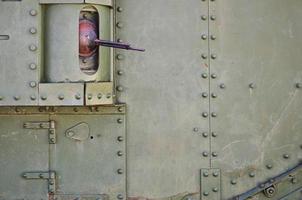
(88, 33)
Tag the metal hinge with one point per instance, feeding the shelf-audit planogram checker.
(49, 176)
(50, 125)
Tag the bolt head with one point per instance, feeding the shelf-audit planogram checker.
(89, 97)
(33, 97)
(205, 134)
(120, 153)
(269, 166)
(43, 97)
(17, 98)
(120, 171)
(213, 37)
(214, 95)
(204, 36)
(120, 57)
(252, 174)
(215, 174)
(205, 174)
(195, 129)
(213, 76)
(213, 56)
(119, 121)
(215, 189)
(120, 138)
(204, 75)
(286, 156)
(78, 96)
(32, 66)
(33, 12)
(205, 154)
(204, 17)
(120, 196)
(252, 85)
(99, 96)
(205, 114)
(233, 182)
(214, 134)
(33, 47)
(205, 193)
(119, 88)
(204, 95)
(213, 17)
(299, 85)
(1, 98)
(61, 97)
(32, 84)
(222, 86)
(119, 25)
(33, 30)
(214, 154)
(204, 56)
(119, 9)
(214, 114)
(120, 72)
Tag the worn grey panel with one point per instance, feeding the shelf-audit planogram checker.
(20, 55)
(90, 166)
(22, 150)
(258, 48)
(162, 88)
(60, 1)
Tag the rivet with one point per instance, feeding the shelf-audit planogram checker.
(43, 97)
(214, 154)
(78, 96)
(205, 154)
(205, 174)
(222, 86)
(204, 95)
(120, 196)
(204, 56)
(120, 138)
(119, 88)
(119, 121)
(286, 156)
(299, 85)
(213, 56)
(76, 109)
(120, 72)
(119, 40)
(17, 98)
(119, 24)
(204, 75)
(41, 176)
(120, 57)
(204, 36)
(18, 109)
(215, 174)
(1, 98)
(213, 37)
(213, 17)
(204, 17)
(195, 129)
(213, 76)
(32, 66)
(205, 114)
(120, 171)
(252, 85)
(233, 182)
(119, 9)
(205, 134)
(205, 193)
(301, 146)
(214, 95)
(214, 134)
(269, 166)
(33, 30)
(212, 0)
(33, 97)
(215, 189)
(252, 174)
(213, 114)
(100, 96)
(33, 12)
(61, 97)
(120, 153)
(84, 60)
(120, 109)
(32, 84)
(33, 47)
(89, 96)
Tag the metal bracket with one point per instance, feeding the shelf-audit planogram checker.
(210, 184)
(50, 176)
(50, 125)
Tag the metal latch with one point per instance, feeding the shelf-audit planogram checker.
(49, 176)
(50, 125)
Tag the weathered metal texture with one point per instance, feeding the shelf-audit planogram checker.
(20, 23)
(100, 2)
(61, 94)
(62, 48)
(90, 165)
(256, 55)
(99, 93)
(22, 150)
(167, 120)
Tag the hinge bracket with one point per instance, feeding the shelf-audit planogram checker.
(50, 125)
(49, 176)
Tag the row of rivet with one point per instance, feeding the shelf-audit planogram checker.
(206, 174)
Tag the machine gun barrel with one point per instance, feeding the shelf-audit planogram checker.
(118, 45)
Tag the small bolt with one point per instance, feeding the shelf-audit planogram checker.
(32, 66)
(215, 189)
(252, 174)
(205, 193)
(204, 36)
(286, 156)
(204, 17)
(119, 9)
(120, 109)
(205, 114)
(213, 17)
(41, 176)
(33, 47)
(213, 56)
(120, 72)
(32, 84)
(214, 95)
(120, 138)
(204, 56)
(299, 85)
(205, 154)
(213, 76)
(18, 109)
(269, 166)
(43, 97)
(120, 196)
(70, 133)
(120, 88)
(33, 97)
(252, 85)
(233, 182)
(52, 140)
(214, 154)
(33, 12)
(214, 114)
(205, 134)
(214, 134)
(100, 96)
(205, 174)
(89, 96)
(78, 96)
(204, 95)
(84, 60)
(222, 86)
(24, 175)
(204, 75)
(33, 30)
(17, 98)
(120, 57)
(119, 40)
(120, 171)
(1, 98)
(120, 153)
(108, 96)
(119, 24)
(119, 121)
(195, 129)
(215, 174)
(213, 37)
(61, 97)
